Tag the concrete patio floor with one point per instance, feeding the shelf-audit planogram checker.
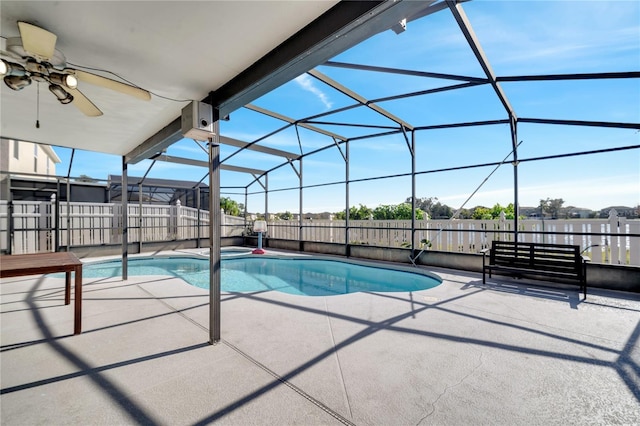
(458, 354)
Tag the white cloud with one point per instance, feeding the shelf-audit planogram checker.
(307, 84)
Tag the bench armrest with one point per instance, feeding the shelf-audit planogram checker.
(485, 251)
(585, 259)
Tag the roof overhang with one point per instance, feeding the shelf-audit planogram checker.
(343, 26)
(225, 53)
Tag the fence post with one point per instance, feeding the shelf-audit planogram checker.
(613, 241)
(223, 223)
(426, 233)
(634, 242)
(502, 225)
(55, 219)
(44, 230)
(331, 228)
(622, 241)
(175, 226)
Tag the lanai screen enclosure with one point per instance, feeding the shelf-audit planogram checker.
(453, 100)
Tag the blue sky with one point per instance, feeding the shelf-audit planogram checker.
(519, 38)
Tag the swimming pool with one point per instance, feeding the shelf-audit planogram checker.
(294, 275)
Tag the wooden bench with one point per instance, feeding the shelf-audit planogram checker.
(549, 260)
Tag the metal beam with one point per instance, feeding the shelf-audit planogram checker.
(292, 121)
(173, 133)
(466, 124)
(343, 26)
(340, 28)
(581, 123)
(200, 163)
(353, 95)
(426, 92)
(465, 26)
(239, 169)
(562, 77)
(259, 148)
(169, 135)
(406, 72)
(366, 126)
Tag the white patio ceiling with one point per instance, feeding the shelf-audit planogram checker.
(177, 50)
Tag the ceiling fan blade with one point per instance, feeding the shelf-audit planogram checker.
(97, 80)
(83, 103)
(37, 41)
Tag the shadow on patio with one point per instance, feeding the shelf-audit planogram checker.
(457, 353)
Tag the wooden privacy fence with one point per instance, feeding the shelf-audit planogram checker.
(33, 228)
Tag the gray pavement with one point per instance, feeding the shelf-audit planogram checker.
(458, 354)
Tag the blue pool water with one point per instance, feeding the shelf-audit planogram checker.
(293, 275)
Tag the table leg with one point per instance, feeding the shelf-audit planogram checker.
(67, 288)
(77, 317)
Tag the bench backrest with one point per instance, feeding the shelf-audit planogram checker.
(562, 258)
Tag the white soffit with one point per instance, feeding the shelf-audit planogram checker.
(176, 49)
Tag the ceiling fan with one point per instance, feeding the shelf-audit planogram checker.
(33, 57)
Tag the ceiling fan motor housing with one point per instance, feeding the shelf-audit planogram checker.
(197, 121)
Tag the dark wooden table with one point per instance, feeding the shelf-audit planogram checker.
(47, 263)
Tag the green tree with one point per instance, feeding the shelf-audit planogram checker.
(425, 204)
(356, 213)
(361, 213)
(287, 215)
(440, 211)
(509, 211)
(403, 212)
(432, 206)
(555, 205)
(482, 213)
(551, 206)
(465, 214)
(230, 207)
(400, 211)
(384, 212)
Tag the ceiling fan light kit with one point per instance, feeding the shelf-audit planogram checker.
(14, 75)
(17, 82)
(8, 68)
(66, 80)
(63, 96)
(35, 49)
